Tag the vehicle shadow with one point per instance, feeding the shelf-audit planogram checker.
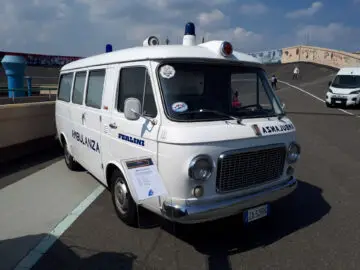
(17, 169)
(60, 256)
(220, 239)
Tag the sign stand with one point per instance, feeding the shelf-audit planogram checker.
(147, 184)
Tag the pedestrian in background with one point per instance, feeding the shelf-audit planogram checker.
(274, 82)
(296, 73)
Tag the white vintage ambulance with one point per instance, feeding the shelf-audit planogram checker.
(192, 132)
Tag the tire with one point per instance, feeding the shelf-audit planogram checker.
(69, 159)
(123, 202)
(328, 105)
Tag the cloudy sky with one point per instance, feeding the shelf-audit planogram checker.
(83, 27)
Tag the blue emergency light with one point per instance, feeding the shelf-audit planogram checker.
(190, 29)
(108, 48)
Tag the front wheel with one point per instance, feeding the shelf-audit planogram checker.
(124, 204)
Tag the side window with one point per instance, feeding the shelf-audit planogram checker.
(65, 87)
(149, 104)
(79, 85)
(135, 82)
(95, 88)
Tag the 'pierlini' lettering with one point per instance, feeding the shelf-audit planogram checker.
(131, 139)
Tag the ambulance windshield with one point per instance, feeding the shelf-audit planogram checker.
(207, 92)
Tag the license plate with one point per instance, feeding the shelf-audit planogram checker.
(337, 101)
(256, 213)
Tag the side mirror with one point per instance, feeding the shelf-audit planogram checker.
(330, 83)
(283, 106)
(132, 109)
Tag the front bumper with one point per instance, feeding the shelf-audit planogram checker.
(343, 100)
(220, 209)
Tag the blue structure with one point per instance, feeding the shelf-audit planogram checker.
(190, 29)
(14, 67)
(108, 48)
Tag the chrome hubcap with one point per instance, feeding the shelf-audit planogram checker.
(121, 198)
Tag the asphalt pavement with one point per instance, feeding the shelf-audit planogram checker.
(316, 228)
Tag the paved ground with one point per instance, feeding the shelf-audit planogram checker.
(318, 228)
(35, 195)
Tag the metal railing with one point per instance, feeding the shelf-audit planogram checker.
(33, 94)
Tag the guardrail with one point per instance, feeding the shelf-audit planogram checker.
(36, 94)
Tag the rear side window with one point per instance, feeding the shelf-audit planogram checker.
(64, 91)
(79, 85)
(135, 82)
(95, 88)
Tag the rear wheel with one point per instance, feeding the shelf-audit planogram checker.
(124, 204)
(69, 159)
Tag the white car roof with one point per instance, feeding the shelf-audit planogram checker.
(349, 71)
(201, 51)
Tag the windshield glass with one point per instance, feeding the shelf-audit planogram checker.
(346, 81)
(206, 92)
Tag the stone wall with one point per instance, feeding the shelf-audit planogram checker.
(310, 54)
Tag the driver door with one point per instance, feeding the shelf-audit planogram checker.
(134, 139)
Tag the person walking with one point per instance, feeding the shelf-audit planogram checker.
(296, 73)
(274, 82)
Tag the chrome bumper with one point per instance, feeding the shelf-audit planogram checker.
(201, 213)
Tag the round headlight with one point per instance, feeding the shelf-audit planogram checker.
(293, 153)
(201, 168)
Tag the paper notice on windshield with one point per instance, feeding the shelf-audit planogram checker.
(146, 179)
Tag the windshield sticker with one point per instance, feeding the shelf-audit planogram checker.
(167, 72)
(179, 107)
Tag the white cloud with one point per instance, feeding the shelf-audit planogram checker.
(83, 27)
(208, 18)
(334, 35)
(253, 9)
(308, 12)
(243, 40)
(325, 34)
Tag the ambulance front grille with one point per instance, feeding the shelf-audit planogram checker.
(249, 167)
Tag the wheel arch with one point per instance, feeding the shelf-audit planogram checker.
(110, 168)
(62, 139)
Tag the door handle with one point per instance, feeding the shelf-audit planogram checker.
(83, 118)
(113, 125)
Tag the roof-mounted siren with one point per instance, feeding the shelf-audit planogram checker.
(189, 38)
(108, 48)
(151, 41)
(226, 49)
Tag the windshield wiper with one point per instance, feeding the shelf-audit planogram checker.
(238, 119)
(259, 109)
